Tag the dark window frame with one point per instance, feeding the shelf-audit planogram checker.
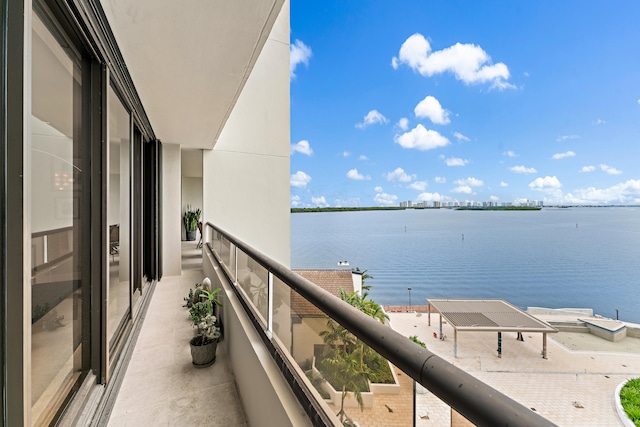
(82, 23)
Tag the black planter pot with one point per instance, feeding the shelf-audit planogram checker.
(203, 355)
(191, 235)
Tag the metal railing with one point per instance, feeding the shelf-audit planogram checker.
(470, 397)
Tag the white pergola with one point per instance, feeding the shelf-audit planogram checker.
(487, 315)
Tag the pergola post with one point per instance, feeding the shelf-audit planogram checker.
(440, 325)
(544, 345)
(455, 342)
(499, 344)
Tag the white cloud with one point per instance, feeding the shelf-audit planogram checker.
(523, 169)
(440, 179)
(385, 199)
(567, 137)
(300, 179)
(429, 197)
(362, 157)
(494, 198)
(357, 176)
(468, 62)
(399, 175)
(610, 170)
(588, 169)
(464, 189)
(302, 147)
(403, 123)
(600, 122)
(563, 155)
(378, 189)
(509, 153)
(295, 201)
(418, 185)
(638, 101)
(430, 108)
(503, 184)
(548, 183)
(473, 182)
(346, 154)
(456, 161)
(461, 137)
(299, 53)
(372, 117)
(421, 139)
(624, 193)
(319, 201)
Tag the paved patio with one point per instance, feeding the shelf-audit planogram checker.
(570, 388)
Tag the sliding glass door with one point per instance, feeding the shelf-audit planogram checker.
(58, 240)
(119, 218)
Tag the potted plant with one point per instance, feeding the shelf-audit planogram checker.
(193, 296)
(205, 343)
(190, 220)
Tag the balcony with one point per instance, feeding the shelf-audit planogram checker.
(260, 326)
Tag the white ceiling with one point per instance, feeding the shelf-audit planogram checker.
(189, 60)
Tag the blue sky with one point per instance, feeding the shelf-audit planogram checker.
(464, 101)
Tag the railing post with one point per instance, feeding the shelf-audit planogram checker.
(270, 304)
(235, 264)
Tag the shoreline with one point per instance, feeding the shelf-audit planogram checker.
(469, 208)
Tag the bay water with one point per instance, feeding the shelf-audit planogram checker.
(555, 257)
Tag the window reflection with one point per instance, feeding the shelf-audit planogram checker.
(118, 215)
(56, 247)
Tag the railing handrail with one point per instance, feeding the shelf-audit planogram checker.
(475, 400)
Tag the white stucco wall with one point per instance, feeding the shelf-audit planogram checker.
(306, 335)
(246, 175)
(171, 211)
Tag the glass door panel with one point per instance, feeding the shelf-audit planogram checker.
(57, 252)
(118, 217)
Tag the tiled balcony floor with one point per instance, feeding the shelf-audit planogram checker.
(161, 387)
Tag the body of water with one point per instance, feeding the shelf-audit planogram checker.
(573, 257)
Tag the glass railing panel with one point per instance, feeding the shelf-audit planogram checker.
(334, 360)
(253, 279)
(224, 250)
(282, 316)
(215, 242)
(228, 258)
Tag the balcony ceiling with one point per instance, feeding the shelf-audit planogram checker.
(190, 60)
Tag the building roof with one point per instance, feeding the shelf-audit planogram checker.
(487, 315)
(329, 280)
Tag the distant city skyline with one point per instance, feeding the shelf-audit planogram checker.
(456, 101)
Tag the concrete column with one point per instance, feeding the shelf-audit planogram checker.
(171, 213)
